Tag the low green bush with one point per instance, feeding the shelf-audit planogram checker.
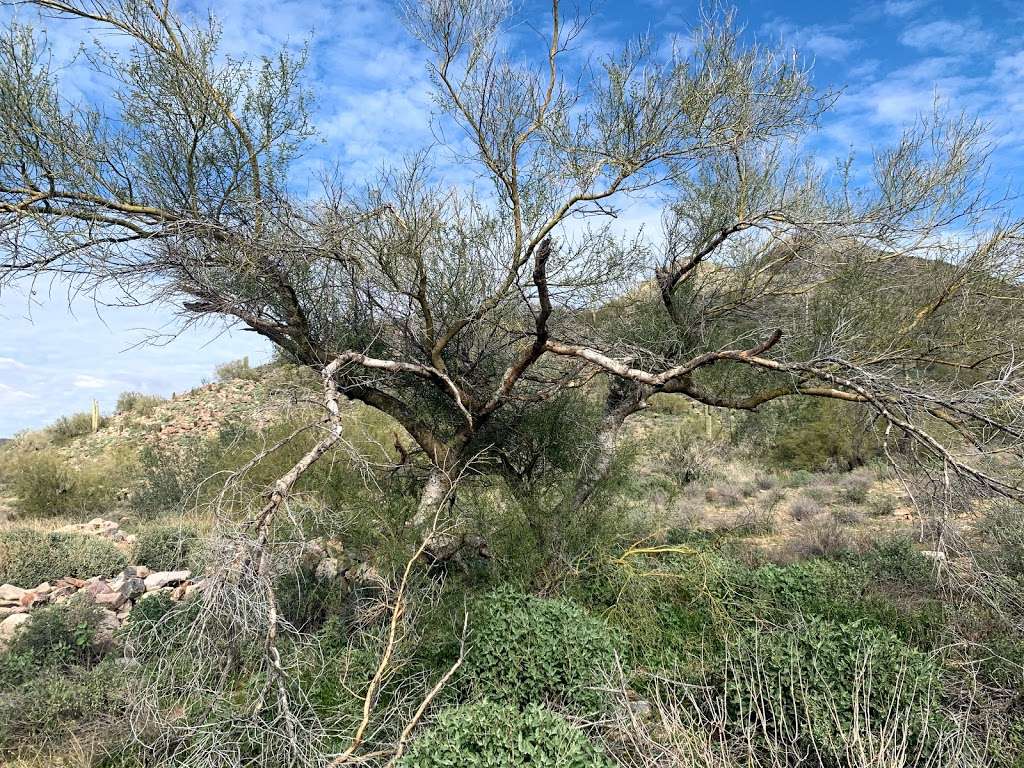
(59, 635)
(811, 434)
(168, 478)
(1001, 531)
(798, 478)
(880, 589)
(168, 547)
(137, 403)
(527, 649)
(237, 369)
(61, 710)
(47, 485)
(75, 425)
(29, 557)
(897, 561)
(490, 735)
(157, 625)
(831, 684)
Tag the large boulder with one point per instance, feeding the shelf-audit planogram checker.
(166, 579)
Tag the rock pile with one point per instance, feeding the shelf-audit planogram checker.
(115, 596)
(107, 529)
(118, 595)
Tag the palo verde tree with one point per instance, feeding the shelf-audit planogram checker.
(464, 310)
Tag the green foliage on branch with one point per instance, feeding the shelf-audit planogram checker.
(29, 557)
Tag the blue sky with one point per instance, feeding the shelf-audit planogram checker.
(890, 57)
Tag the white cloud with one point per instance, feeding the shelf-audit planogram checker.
(945, 35)
(85, 381)
(9, 395)
(10, 362)
(903, 7)
(819, 41)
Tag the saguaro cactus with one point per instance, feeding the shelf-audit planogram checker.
(95, 415)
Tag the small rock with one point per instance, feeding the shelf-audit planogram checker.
(113, 600)
(28, 598)
(194, 587)
(62, 593)
(132, 587)
(166, 579)
(97, 588)
(934, 554)
(44, 589)
(11, 595)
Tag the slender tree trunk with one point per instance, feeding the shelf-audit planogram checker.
(435, 494)
(623, 400)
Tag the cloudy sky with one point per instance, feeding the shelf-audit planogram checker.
(891, 58)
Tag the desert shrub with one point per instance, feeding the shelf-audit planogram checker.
(808, 587)
(170, 477)
(157, 625)
(529, 649)
(137, 403)
(1006, 744)
(804, 508)
(75, 425)
(46, 485)
(29, 557)
(168, 547)
(668, 607)
(811, 434)
(753, 520)
(897, 561)
(694, 463)
(726, 496)
(490, 735)
(854, 488)
(881, 506)
(765, 481)
(1001, 531)
(843, 590)
(59, 710)
(830, 683)
(193, 474)
(822, 537)
(847, 516)
(59, 635)
(237, 369)
(797, 478)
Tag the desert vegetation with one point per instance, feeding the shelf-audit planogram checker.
(517, 488)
